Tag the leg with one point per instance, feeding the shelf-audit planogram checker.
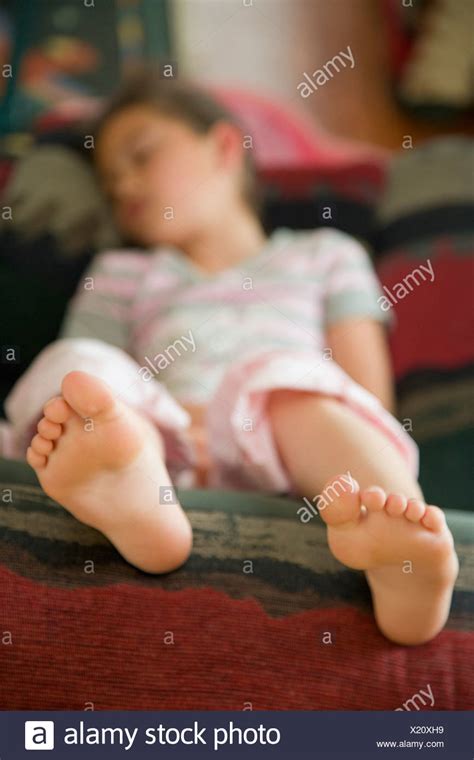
(104, 463)
(42, 380)
(403, 545)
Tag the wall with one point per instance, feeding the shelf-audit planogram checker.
(269, 44)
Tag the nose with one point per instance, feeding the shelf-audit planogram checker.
(126, 186)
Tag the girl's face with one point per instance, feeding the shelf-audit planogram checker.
(166, 182)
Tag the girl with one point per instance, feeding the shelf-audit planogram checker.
(223, 357)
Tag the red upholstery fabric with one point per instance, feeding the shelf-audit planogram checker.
(440, 310)
(108, 645)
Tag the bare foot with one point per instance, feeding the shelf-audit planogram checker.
(408, 554)
(104, 463)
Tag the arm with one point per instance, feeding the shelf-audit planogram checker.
(360, 347)
(354, 321)
(100, 308)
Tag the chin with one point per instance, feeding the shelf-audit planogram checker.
(151, 235)
(153, 239)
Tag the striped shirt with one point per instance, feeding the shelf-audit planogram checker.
(185, 327)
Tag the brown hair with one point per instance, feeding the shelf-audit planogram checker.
(184, 101)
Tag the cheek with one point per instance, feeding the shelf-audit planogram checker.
(178, 177)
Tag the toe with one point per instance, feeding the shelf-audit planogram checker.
(415, 510)
(49, 430)
(37, 461)
(41, 445)
(434, 518)
(373, 498)
(57, 410)
(89, 396)
(396, 505)
(339, 501)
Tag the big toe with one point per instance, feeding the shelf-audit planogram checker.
(339, 502)
(88, 396)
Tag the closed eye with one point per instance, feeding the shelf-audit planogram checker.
(142, 153)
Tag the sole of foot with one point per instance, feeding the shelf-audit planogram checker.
(103, 462)
(406, 550)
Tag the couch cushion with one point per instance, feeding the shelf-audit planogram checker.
(260, 617)
(341, 197)
(425, 241)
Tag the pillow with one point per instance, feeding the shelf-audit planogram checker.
(426, 264)
(308, 198)
(49, 230)
(437, 78)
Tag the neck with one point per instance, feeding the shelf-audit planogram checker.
(229, 241)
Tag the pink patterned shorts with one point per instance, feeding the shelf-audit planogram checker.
(239, 432)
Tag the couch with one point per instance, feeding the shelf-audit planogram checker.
(261, 616)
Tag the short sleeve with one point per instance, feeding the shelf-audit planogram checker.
(351, 287)
(101, 305)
